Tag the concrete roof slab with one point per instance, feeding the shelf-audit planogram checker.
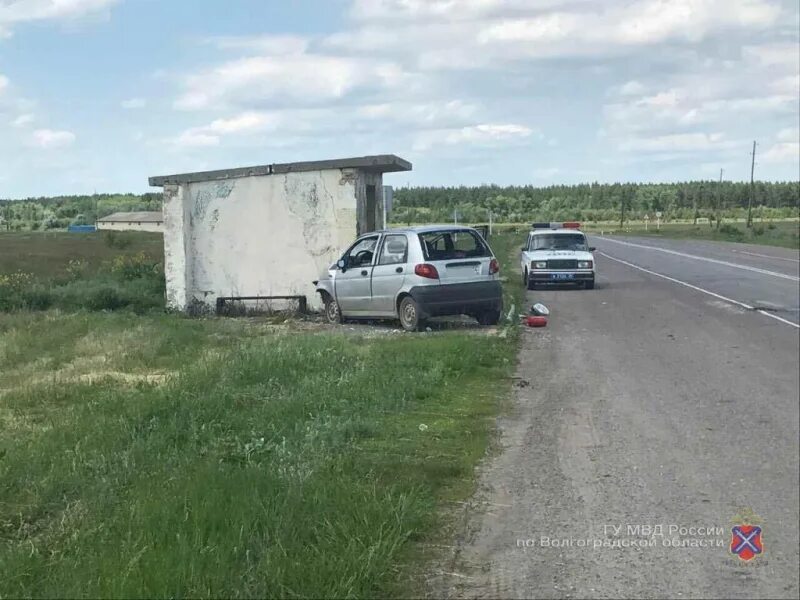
(380, 163)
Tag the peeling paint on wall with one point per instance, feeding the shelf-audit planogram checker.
(312, 204)
(204, 196)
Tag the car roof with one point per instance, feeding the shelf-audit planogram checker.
(425, 228)
(540, 231)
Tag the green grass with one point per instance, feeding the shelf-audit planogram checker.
(107, 271)
(48, 254)
(163, 456)
(778, 233)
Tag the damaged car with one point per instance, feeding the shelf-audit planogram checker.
(413, 274)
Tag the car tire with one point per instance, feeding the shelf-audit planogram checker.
(409, 313)
(529, 283)
(490, 317)
(589, 285)
(332, 312)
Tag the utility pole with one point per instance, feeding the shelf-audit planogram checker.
(719, 196)
(490, 222)
(752, 189)
(622, 209)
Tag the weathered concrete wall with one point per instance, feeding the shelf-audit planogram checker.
(366, 179)
(123, 226)
(256, 236)
(176, 250)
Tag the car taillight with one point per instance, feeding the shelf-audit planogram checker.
(426, 270)
(494, 267)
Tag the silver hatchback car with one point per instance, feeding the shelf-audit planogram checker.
(412, 274)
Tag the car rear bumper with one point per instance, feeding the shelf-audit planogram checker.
(552, 276)
(458, 298)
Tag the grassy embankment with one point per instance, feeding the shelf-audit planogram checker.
(154, 455)
(772, 233)
(785, 234)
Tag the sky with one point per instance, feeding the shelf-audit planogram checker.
(97, 95)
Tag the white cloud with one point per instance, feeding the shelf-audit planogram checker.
(786, 149)
(49, 139)
(195, 139)
(23, 120)
(632, 88)
(679, 142)
(14, 12)
(790, 134)
(772, 53)
(783, 152)
(244, 123)
(3, 83)
(485, 134)
(468, 34)
(303, 78)
(133, 103)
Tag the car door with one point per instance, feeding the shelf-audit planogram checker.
(389, 273)
(352, 284)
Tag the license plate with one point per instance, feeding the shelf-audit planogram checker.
(562, 275)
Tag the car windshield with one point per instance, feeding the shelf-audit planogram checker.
(559, 241)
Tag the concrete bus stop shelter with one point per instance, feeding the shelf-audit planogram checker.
(266, 231)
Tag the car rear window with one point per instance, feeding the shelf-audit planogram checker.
(452, 244)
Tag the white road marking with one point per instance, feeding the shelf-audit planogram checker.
(706, 259)
(765, 255)
(699, 289)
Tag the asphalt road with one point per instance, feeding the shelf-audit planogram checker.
(646, 402)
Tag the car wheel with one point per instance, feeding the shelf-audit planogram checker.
(525, 277)
(589, 285)
(489, 317)
(409, 314)
(529, 283)
(332, 312)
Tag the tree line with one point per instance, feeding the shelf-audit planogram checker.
(595, 201)
(511, 204)
(59, 212)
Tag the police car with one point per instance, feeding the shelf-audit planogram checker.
(557, 253)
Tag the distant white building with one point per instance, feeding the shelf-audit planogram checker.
(133, 221)
(266, 231)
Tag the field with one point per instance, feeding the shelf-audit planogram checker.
(99, 271)
(156, 455)
(48, 255)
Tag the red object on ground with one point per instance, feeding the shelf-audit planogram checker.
(535, 321)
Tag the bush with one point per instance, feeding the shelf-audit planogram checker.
(135, 267)
(104, 298)
(727, 229)
(758, 230)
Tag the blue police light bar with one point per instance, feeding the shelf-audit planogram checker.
(541, 225)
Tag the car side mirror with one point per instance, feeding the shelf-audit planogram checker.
(523, 248)
(342, 264)
(592, 248)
